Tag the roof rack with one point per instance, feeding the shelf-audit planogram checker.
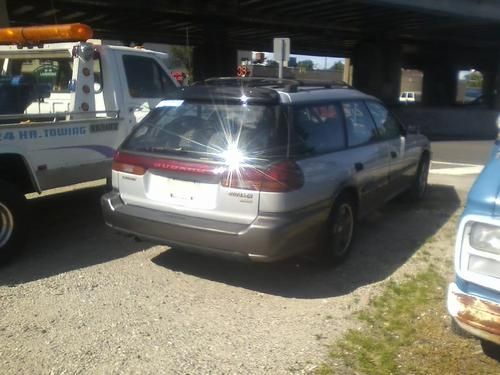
(286, 85)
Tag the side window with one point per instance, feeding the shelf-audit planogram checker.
(387, 125)
(145, 77)
(318, 129)
(360, 127)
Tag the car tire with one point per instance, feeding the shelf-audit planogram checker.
(340, 230)
(491, 349)
(419, 186)
(12, 221)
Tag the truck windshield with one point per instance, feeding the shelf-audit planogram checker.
(209, 131)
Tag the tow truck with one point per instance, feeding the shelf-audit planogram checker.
(66, 103)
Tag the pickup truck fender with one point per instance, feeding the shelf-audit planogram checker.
(14, 150)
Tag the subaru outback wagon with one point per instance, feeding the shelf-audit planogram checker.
(262, 169)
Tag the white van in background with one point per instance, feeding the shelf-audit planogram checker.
(409, 97)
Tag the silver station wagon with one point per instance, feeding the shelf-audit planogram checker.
(262, 168)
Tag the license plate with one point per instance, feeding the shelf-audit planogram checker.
(182, 193)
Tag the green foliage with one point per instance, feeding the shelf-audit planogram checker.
(338, 67)
(474, 79)
(181, 57)
(388, 326)
(272, 63)
(305, 65)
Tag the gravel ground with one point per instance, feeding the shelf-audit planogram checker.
(82, 299)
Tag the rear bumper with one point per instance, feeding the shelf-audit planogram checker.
(475, 315)
(268, 238)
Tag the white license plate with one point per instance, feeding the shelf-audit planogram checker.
(183, 193)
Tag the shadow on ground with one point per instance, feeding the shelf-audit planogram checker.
(66, 232)
(384, 241)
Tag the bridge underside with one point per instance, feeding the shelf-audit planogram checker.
(438, 37)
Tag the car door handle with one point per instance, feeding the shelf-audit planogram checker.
(359, 167)
(394, 154)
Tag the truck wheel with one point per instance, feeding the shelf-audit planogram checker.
(12, 218)
(419, 187)
(340, 229)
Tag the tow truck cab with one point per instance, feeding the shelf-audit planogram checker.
(66, 104)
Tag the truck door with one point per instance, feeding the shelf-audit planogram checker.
(147, 82)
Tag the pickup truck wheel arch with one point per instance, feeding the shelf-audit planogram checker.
(12, 220)
(14, 168)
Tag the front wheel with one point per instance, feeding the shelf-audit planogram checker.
(419, 187)
(341, 226)
(12, 218)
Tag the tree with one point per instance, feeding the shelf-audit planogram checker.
(474, 79)
(272, 63)
(180, 57)
(338, 67)
(305, 65)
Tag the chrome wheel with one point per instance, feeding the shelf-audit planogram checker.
(342, 230)
(6, 225)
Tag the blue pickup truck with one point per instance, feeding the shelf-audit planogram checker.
(474, 298)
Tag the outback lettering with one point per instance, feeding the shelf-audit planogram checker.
(240, 195)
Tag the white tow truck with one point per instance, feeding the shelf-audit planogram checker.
(66, 103)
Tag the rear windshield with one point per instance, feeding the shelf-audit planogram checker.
(207, 131)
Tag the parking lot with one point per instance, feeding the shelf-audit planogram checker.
(83, 299)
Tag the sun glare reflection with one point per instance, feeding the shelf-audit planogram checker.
(233, 157)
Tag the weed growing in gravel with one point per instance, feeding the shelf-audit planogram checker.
(406, 330)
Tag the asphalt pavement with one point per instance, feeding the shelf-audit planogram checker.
(461, 152)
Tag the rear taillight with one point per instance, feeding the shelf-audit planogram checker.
(280, 177)
(138, 165)
(128, 164)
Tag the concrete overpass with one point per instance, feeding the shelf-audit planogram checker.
(438, 37)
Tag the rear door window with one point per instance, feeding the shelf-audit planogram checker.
(146, 78)
(360, 127)
(387, 126)
(318, 129)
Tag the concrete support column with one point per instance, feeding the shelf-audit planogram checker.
(495, 89)
(377, 70)
(489, 89)
(347, 76)
(439, 86)
(4, 17)
(214, 58)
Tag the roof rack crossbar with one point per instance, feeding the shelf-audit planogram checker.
(288, 85)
